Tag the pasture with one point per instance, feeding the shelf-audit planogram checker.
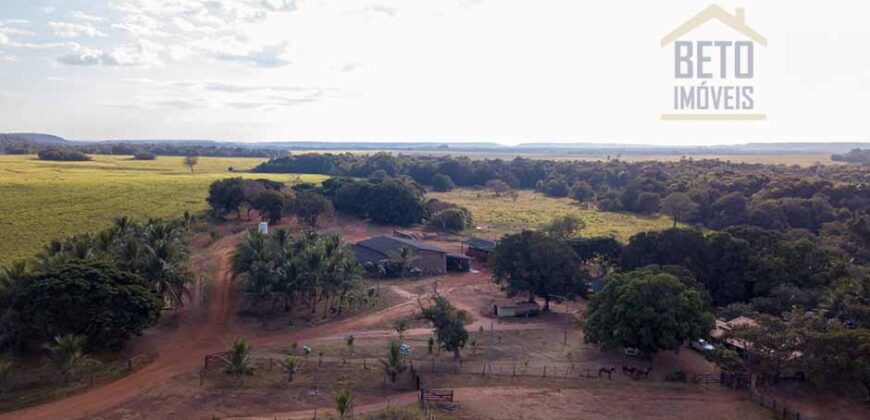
(496, 215)
(42, 200)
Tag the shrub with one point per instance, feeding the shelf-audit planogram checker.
(452, 219)
(63, 155)
(442, 183)
(144, 155)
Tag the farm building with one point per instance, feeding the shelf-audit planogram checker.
(429, 259)
(722, 327)
(479, 249)
(508, 308)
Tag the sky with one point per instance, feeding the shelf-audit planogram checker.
(412, 70)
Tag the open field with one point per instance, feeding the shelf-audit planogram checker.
(42, 201)
(800, 159)
(498, 215)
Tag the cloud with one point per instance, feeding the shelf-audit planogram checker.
(75, 30)
(6, 57)
(78, 14)
(10, 28)
(266, 56)
(142, 54)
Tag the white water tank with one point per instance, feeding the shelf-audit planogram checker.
(264, 228)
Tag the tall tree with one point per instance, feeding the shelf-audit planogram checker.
(89, 298)
(646, 310)
(191, 161)
(538, 265)
(679, 206)
(449, 325)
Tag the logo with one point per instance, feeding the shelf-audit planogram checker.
(714, 68)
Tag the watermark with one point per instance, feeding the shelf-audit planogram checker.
(713, 74)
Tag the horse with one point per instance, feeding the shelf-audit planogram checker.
(642, 372)
(609, 371)
(628, 369)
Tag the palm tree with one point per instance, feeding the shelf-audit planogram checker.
(166, 271)
(9, 278)
(66, 353)
(394, 364)
(343, 402)
(238, 359)
(400, 325)
(291, 365)
(404, 259)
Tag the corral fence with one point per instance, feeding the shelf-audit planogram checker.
(745, 381)
(780, 411)
(430, 397)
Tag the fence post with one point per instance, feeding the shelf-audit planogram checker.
(545, 371)
(515, 371)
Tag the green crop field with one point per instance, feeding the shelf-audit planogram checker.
(499, 215)
(41, 201)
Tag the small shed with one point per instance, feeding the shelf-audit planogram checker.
(510, 309)
(479, 248)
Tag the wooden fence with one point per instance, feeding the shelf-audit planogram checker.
(779, 409)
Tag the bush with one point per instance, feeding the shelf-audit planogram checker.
(582, 191)
(442, 183)
(554, 187)
(62, 155)
(144, 155)
(452, 219)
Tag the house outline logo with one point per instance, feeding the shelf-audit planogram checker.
(736, 22)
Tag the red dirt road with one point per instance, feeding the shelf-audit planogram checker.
(185, 349)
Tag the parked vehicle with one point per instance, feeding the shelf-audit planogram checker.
(703, 346)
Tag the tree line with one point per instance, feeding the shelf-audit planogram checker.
(396, 201)
(829, 201)
(19, 146)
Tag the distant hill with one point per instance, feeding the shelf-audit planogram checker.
(37, 138)
(35, 141)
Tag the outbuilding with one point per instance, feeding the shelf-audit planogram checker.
(479, 248)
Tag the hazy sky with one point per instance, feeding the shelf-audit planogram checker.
(392, 70)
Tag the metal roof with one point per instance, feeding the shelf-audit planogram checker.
(390, 245)
(483, 244)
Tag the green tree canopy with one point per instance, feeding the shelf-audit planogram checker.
(442, 183)
(539, 265)
(91, 298)
(647, 310)
(679, 206)
(449, 325)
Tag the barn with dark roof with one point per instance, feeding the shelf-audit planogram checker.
(430, 259)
